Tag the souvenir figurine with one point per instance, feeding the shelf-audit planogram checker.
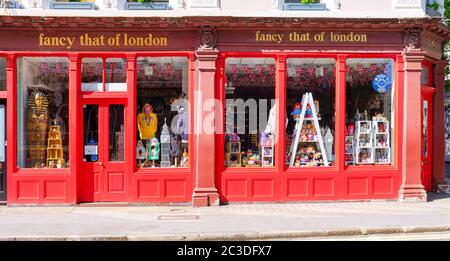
(296, 110)
(366, 115)
(316, 105)
(175, 149)
(308, 113)
(184, 159)
(140, 151)
(153, 152)
(297, 161)
(318, 157)
(59, 164)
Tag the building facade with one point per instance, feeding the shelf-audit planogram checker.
(205, 102)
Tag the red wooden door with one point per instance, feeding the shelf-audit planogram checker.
(427, 135)
(103, 171)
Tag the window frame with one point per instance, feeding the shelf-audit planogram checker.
(104, 57)
(12, 138)
(398, 71)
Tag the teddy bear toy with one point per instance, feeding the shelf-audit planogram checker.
(318, 157)
(296, 110)
(308, 112)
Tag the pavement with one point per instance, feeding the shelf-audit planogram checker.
(230, 222)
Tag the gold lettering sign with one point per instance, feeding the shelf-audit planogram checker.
(306, 37)
(117, 40)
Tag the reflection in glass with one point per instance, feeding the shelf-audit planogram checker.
(116, 132)
(425, 129)
(42, 112)
(116, 74)
(92, 74)
(90, 133)
(2, 74)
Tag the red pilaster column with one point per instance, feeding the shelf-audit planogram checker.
(75, 137)
(411, 188)
(130, 132)
(205, 191)
(11, 126)
(439, 183)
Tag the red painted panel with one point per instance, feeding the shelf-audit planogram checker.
(382, 185)
(55, 189)
(236, 188)
(148, 189)
(175, 188)
(116, 182)
(28, 190)
(262, 188)
(323, 187)
(297, 187)
(96, 182)
(358, 186)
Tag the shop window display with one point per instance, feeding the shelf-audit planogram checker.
(249, 112)
(162, 116)
(310, 105)
(369, 108)
(2, 74)
(42, 112)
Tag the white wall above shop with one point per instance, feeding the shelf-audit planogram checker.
(237, 8)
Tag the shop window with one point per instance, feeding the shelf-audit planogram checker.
(250, 112)
(424, 76)
(2, 74)
(162, 117)
(116, 74)
(370, 111)
(42, 112)
(310, 105)
(99, 75)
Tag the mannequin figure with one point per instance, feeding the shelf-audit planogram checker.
(182, 124)
(147, 122)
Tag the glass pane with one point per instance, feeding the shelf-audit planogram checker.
(163, 112)
(250, 112)
(2, 74)
(425, 129)
(310, 102)
(42, 112)
(424, 76)
(92, 74)
(90, 133)
(116, 132)
(116, 74)
(370, 111)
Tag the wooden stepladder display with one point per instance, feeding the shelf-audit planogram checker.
(312, 117)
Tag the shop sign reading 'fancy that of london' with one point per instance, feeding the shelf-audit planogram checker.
(115, 40)
(306, 37)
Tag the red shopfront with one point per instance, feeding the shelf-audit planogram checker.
(143, 116)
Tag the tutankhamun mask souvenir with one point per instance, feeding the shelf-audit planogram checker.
(37, 121)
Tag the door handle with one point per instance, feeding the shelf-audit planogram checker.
(101, 165)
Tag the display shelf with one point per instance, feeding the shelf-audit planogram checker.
(364, 143)
(382, 148)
